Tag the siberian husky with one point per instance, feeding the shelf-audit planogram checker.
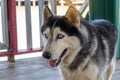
(84, 50)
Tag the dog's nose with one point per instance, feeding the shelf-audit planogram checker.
(46, 55)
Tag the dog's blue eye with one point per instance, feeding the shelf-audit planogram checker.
(60, 36)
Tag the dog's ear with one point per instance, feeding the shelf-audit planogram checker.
(73, 16)
(46, 13)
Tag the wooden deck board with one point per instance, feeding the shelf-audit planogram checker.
(35, 69)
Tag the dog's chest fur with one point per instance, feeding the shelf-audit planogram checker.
(79, 74)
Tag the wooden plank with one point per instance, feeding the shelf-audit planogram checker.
(53, 6)
(33, 1)
(83, 7)
(69, 2)
(28, 23)
(19, 3)
(41, 5)
(5, 22)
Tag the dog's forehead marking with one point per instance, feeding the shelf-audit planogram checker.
(53, 26)
(49, 30)
(57, 30)
(52, 29)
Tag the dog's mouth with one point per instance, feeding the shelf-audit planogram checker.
(56, 62)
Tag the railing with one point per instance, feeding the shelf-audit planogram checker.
(10, 28)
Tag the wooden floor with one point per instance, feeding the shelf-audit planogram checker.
(35, 69)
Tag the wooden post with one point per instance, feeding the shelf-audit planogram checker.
(5, 22)
(28, 24)
(19, 3)
(53, 6)
(41, 5)
(69, 2)
(34, 3)
(12, 28)
(62, 3)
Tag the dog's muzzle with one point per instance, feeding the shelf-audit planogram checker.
(54, 62)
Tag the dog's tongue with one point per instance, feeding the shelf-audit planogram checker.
(53, 63)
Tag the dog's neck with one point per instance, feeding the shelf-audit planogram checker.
(68, 59)
(75, 59)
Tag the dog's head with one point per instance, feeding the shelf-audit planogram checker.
(60, 35)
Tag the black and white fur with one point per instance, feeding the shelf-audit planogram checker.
(89, 50)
